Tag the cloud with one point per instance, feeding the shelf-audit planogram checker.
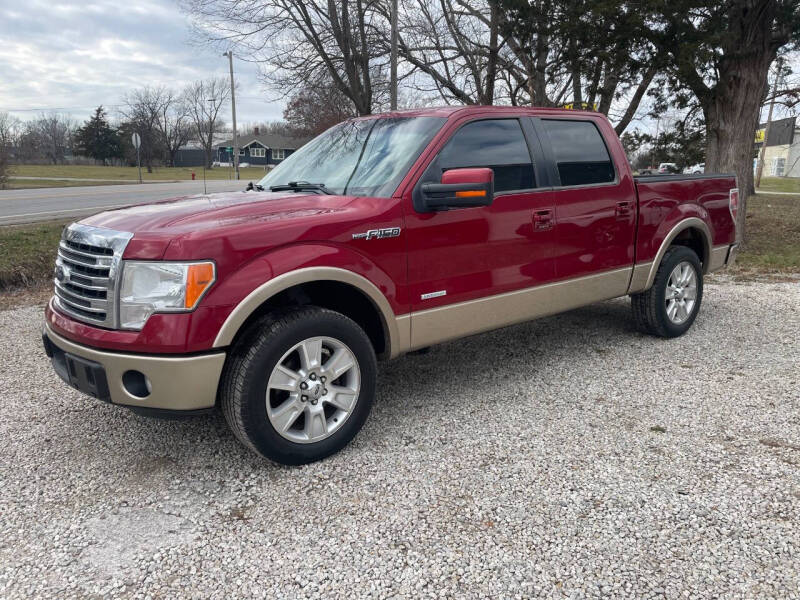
(73, 56)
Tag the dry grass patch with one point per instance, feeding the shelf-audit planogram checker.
(28, 253)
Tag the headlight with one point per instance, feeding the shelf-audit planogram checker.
(151, 287)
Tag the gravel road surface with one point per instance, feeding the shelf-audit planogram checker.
(569, 457)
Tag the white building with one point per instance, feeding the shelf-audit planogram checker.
(782, 155)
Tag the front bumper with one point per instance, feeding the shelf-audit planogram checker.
(145, 382)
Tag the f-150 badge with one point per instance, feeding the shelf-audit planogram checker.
(377, 234)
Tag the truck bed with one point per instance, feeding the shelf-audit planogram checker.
(665, 200)
(681, 177)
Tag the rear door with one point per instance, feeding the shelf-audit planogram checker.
(594, 200)
(468, 253)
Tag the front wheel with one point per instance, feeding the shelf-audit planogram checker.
(670, 306)
(299, 384)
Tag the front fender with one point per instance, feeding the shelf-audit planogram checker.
(271, 273)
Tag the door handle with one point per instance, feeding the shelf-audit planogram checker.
(623, 210)
(543, 219)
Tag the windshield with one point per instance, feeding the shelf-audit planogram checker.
(364, 157)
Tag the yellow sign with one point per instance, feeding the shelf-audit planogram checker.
(583, 106)
(760, 136)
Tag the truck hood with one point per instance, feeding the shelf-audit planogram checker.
(193, 224)
(202, 212)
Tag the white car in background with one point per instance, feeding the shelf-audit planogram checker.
(697, 169)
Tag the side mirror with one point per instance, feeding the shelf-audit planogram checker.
(460, 188)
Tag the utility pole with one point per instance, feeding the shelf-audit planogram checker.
(763, 150)
(393, 59)
(235, 159)
(655, 144)
(210, 137)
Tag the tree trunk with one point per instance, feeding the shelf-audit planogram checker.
(538, 83)
(633, 105)
(731, 113)
(491, 65)
(575, 66)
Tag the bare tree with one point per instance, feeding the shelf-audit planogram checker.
(10, 131)
(173, 124)
(142, 110)
(54, 136)
(301, 42)
(455, 45)
(268, 127)
(540, 52)
(204, 100)
(3, 168)
(314, 109)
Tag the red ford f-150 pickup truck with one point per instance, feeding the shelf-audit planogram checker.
(383, 235)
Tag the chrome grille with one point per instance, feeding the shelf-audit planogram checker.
(87, 266)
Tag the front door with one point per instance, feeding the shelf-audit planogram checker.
(460, 255)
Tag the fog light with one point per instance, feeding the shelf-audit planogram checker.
(136, 384)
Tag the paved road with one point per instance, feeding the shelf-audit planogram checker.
(120, 181)
(26, 206)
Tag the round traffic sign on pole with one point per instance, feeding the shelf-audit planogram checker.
(136, 140)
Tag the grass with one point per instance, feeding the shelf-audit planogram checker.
(780, 184)
(28, 253)
(772, 244)
(131, 173)
(772, 235)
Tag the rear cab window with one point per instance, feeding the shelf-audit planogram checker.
(495, 143)
(579, 151)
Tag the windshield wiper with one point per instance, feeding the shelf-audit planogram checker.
(296, 186)
(257, 187)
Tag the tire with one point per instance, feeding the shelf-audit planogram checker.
(653, 312)
(261, 385)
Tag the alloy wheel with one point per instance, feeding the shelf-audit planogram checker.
(681, 292)
(313, 389)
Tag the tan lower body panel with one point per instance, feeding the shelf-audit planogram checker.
(641, 274)
(445, 323)
(645, 272)
(177, 383)
(719, 254)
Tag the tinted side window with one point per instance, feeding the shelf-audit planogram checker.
(580, 152)
(498, 144)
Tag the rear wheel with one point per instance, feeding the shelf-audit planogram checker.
(670, 306)
(299, 384)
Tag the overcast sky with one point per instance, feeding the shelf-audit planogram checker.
(70, 57)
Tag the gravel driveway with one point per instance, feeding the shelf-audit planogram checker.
(568, 457)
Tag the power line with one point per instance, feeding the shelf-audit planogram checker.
(93, 106)
(46, 108)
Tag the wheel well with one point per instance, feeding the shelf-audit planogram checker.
(693, 238)
(333, 295)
